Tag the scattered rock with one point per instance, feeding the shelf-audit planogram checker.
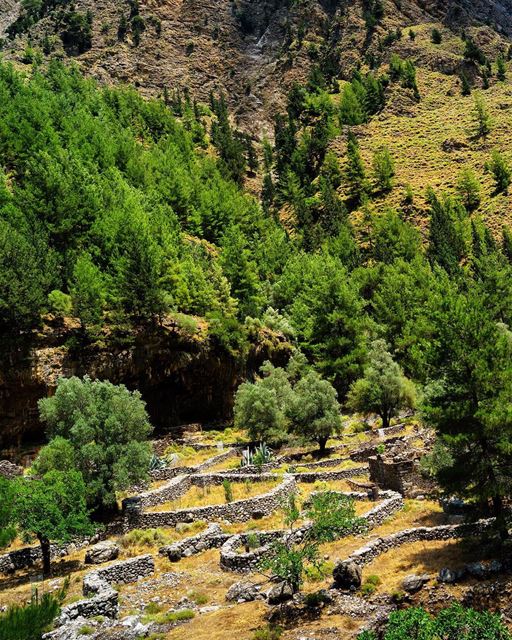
(242, 592)
(477, 570)
(280, 593)
(102, 552)
(347, 575)
(414, 583)
(448, 576)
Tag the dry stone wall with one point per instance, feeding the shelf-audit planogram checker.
(171, 472)
(237, 511)
(232, 559)
(375, 548)
(103, 600)
(328, 476)
(175, 488)
(212, 538)
(28, 556)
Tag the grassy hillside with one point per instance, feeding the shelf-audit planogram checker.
(434, 139)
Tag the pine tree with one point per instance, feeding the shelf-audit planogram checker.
(447, 245)
(507, 243)
(468, 189)
(501, 172)
(481, 116)
(355, 174)
(501, 69)
(241, 271)
(351, 112)
(87, 291)
(436, 36)
(383, 169)
(465, 86)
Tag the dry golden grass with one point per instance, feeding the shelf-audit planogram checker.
(234, 622)
(416, 143)
(419, 557)
(199, 496)
(344, 628)
(415, 513)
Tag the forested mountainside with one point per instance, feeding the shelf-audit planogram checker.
(378, 179)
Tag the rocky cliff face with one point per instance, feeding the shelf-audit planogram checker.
(182, 379)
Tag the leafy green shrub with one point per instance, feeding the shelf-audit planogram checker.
(319, 572)
(152, 608)
(145, 538)
(197, 597)
(270, 632)
(169, 617)
(370, 585)
(59, 303)
(228, 490)
(85, 630)
(454, 623)
(253, 541)
(187, 324)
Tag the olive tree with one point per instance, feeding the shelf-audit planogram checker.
(314, 410)
(383, 389)
(261, 406)
(52, 509)
(107, 428)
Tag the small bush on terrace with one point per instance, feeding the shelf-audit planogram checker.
(144, 538)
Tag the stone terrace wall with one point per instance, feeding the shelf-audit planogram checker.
(28, 556)
(173, 489)
(231, 559)
(121, 572)
(211, 538)
(172, 472)
(237, 511)
(375, 548)
(98, 584)
(327, 476)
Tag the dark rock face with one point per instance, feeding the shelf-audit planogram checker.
(182, 379)
(347, 575)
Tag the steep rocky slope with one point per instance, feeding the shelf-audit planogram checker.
(250, 49)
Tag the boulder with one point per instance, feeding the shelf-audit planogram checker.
(242, 592)
(414, 583)
(347, 575)
(102, 552)
(280, 592)
(477, 570)
(447, 576)
(174, 554)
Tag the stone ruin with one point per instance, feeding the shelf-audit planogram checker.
(398, 469)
